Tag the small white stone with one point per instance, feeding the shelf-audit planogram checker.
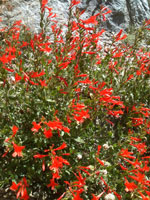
(109, 197)
(79, 156)
(106, 146)
(103, 171)
(107, 164)
(12, 78)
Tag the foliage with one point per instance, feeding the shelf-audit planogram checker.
(74, 115)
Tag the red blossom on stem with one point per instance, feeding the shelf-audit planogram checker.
(36, 127)
(17, 150)
(57, 163)
(43, 3)
(73, 3)
(21, 189)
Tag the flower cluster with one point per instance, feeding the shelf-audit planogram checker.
(66, 97)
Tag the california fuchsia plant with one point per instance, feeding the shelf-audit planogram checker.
(74, 114)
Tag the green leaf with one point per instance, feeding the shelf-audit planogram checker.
(79, 140)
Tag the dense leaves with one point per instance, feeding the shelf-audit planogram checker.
(74, 114)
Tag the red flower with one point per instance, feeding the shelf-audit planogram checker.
(52, 184)
(48, 133)
(43, 165)
(17, 77)
(44, 47)
(81, 116)
(73, 3)
(44, 2)
(66, 129)
(77, 196)
(17, 150)
(100, 161)
(103, 14)
(35, 74)
(21, 187)
(17, 23)
(137, 121)
(141, 147)
(86, 81)
(91, 20)
(63, 146)
(43, 83)
(14, 130)
(40, 156)
(129, 186)
(98, 149)
(64, 65)
(8, 69)
(6, 152)
(36, 127)
(126, 153)
(139, 177)
(54, 125)
(74, 26)
(117, 38)
(99, 196)
(57, 163)
(63, 80)
(143, 196)
(79, 113)
(14, 186)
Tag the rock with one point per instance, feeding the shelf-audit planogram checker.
(124, 12)
(27, 11)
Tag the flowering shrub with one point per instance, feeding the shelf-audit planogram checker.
(74, 115)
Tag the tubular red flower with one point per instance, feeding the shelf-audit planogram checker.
(17, 150)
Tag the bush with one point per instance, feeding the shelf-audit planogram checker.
(74, 115)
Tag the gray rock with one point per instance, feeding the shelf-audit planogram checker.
(124, 12)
